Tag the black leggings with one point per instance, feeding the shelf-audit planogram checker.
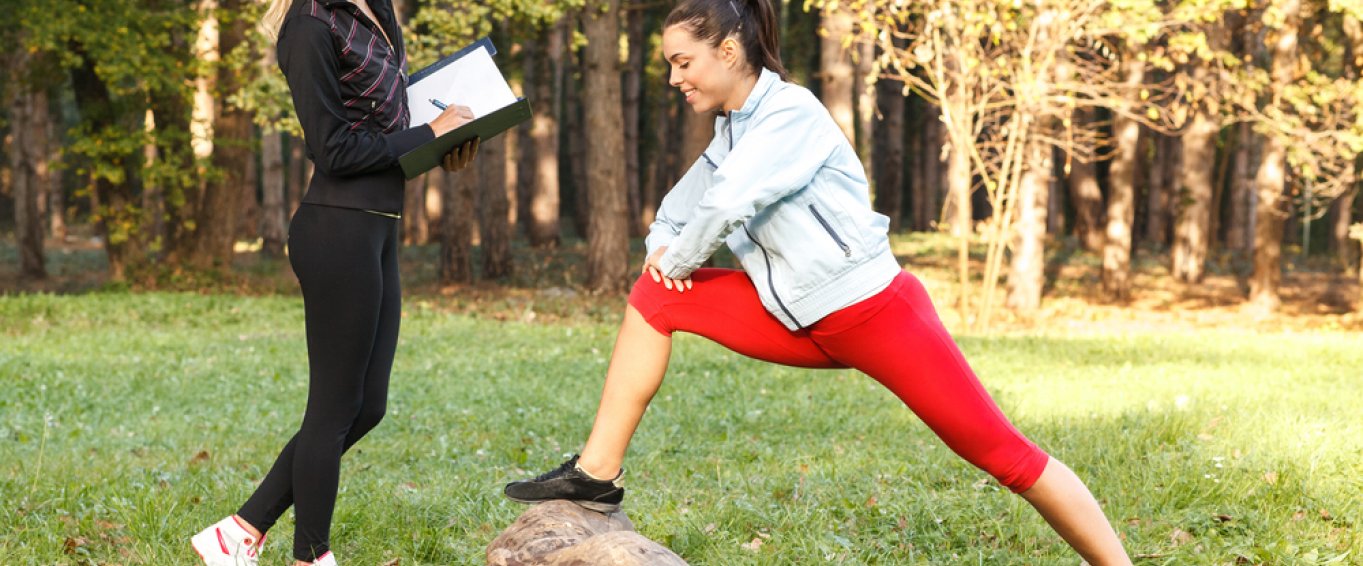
(346, 262)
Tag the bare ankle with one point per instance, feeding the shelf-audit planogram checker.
(597, 471)
(247, 526)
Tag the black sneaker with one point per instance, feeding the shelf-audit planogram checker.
(571, 483)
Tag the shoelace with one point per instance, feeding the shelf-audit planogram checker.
(561, 470)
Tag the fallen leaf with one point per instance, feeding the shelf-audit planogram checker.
(754, 546)
(1180, 536)
(1299, 515)
(1224, 518)
(1325, 515)
(1271, 478)
(710, 528)
(393, 562)
(871, 502)
(202, 456)
(72, 544)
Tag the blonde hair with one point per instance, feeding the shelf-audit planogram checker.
(273, 17)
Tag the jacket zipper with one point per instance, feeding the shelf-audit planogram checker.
(710, 161)
(846, 250)
(771, 283)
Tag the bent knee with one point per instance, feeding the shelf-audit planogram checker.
(1016, 467)
(370, 416)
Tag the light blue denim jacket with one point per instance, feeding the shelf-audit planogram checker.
(781, 185)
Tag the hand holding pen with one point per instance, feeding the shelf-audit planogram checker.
(451, 116)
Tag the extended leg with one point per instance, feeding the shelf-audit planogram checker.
(724, 307)
(897, 338)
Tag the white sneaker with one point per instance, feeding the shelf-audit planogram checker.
(327, 559)
(227, 543)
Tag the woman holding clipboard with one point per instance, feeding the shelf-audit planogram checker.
(347, 72)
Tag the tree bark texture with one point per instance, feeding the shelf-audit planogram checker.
(889, 155)
(494, 207)
(1027, 273)
(1271, 180)
(1121, 199)
(608, 237)
(836, 71)
(560, 533)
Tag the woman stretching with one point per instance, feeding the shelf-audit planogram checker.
(781, 185)
(346, 69)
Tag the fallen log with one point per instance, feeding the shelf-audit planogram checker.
(560, 533)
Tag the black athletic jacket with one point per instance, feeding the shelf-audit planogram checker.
(349, 90)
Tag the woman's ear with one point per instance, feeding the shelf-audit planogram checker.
(730, 52)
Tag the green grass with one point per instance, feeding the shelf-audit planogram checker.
(128, 422)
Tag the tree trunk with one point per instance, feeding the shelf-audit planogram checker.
(576, 152)
(185, 233)
(153, 194)
(300, 173)
(1341, 218)
(865, 97)
(925, 201)
(1086, 196)
(960, 179)
(521, 172)
(219, 137)
(914, 108)
(416, 222)
(1192, 226)
(1026, 272)
(665, 166)
(608, 238)
(493, 207)
(632, 98)
(56, 195)
(1121, 201)
(836, 70)
(29, 117)
(559, 533)
(542, 227)
(1239, 233)
(224, 198)
(207, 51)
(1055, 205)
(1271, 180)
(434, 205)
(274, 219)
(1163, 172)
(1341, 213)
(274, 213)
(889, 157)
(456, 232)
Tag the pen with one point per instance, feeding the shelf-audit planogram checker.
(438, 104)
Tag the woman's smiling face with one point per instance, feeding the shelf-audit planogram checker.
(706, 75)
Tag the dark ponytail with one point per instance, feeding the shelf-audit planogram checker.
(751, 22)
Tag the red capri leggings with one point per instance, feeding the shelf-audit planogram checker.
(894, 336)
